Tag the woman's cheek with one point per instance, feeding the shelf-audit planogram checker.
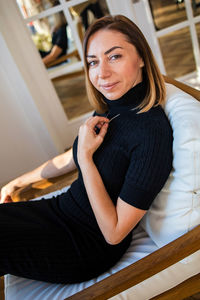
(93, 78)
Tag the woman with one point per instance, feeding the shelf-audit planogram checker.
(123, 154)
(59, 40)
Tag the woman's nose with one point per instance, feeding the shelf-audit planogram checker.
(104, 70)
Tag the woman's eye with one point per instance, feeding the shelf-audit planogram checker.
(92, 63)
(115, 56)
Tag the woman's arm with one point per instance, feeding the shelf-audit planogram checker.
(55, 52)
(57, 166)
(114, 222)
(117, 221)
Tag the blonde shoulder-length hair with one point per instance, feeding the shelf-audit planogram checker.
(156, 93)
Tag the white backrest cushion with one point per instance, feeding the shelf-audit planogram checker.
(176, 209)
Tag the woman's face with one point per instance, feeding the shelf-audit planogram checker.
(114, 65)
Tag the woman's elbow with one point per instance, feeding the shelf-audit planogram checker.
(113, 240)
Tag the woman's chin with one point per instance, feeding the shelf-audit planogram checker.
(112, 95)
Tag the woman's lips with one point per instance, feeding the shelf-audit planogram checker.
(108, 86)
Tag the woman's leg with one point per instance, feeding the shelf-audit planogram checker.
(39, 241)
(35, 242)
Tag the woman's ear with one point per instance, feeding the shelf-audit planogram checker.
(141, 64)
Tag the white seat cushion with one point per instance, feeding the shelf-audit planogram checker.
(176, 209)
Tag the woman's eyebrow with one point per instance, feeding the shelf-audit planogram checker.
(111, 49)
(107, 52)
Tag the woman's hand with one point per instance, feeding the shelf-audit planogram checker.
(91, 136)
(6, 192)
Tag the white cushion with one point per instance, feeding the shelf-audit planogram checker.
(176, 209)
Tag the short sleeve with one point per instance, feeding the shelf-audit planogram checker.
(149, 168)
(60, 38)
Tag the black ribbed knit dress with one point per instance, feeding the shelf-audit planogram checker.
(58, 240)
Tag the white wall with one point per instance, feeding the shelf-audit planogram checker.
(24, 139)
(33, 125)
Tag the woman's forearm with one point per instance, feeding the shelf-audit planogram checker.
(102, 205)
(115, 222)
(57, 166)
(55, 52)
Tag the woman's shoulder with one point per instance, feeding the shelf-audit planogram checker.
(155, 120)
(155, 114)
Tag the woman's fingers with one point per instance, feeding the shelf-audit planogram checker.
(91, 136)
(93, 121)
(96, 123)
(103, 130)
(6, 192)
(3, 198)
(6, 199)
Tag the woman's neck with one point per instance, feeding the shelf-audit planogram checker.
(129, 100)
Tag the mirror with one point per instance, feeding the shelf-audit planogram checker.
(53, 35)
(167, 13)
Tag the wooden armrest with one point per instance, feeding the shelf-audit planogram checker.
(63, 58)
(44, 187)
(143, 269)
(188, 89)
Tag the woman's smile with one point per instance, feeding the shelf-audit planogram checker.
(108, 86)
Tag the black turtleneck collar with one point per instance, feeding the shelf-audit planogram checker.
(129, 100)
